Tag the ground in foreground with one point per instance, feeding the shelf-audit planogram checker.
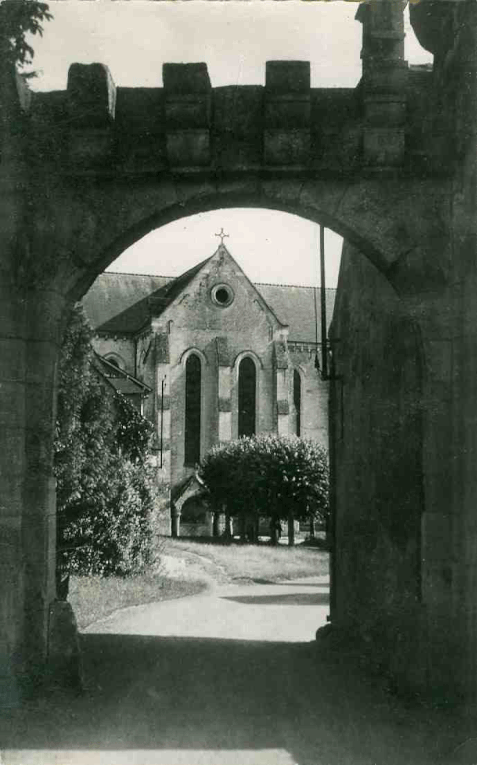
(229, 677)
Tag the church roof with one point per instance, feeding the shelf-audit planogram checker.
(112, 293)
(119, 379)
(133, 318)
(299, 307)
(122, 303)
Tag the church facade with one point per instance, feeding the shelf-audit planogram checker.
(223, 358)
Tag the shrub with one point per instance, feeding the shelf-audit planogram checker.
(105, 492)
(272, 476)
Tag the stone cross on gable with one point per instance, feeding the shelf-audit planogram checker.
(222, 235)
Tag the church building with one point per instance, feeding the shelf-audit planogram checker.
(222, 357)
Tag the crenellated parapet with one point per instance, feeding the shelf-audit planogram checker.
(384, 82)
(286, 126)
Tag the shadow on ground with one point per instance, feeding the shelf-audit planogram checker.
(156, 693)
(285, 583)
(289, 599)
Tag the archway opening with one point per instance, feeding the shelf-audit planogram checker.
(209, 302)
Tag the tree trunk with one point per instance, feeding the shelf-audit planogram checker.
(312, 527)
(216, 525)
(175, 525)
(291, 530)
(228, 527)
(243, 529)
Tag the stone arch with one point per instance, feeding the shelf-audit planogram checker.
(381, 226)
(193, 408)
(258, 366)
(116, 360)
(244, 354)
(193, 351)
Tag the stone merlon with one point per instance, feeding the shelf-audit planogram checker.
(187, 125)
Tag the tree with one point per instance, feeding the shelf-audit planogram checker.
(18, 18)
(277, 477)
(105, 493)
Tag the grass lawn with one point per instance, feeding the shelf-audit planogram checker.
(94, 597)
(239, 561)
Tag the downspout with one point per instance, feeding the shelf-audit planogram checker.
(162, 419)
(331, 525)
(324, 340)
(154, 400)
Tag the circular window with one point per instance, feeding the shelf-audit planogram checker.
(222, 295)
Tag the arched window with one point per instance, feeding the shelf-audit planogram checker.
(193, 374)
(297, 401)
(247, 382)
(115, 360)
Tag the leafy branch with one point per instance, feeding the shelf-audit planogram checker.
(18, 19)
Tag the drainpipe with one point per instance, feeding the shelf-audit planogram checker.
(324, 339)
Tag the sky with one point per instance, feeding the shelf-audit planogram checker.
(135, 37)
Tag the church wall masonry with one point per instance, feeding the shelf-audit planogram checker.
(390, 166)
(215, 314)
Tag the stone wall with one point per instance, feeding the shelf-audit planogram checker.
(220, 335)
(88, 171)
(376, 432)
(314, 392)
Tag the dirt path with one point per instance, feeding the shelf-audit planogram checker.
(228, 677)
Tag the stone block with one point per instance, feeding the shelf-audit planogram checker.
(286, 147)
(188, 107)
(186, 78)
(383, 147)
(188, 148)
(238, 120)
(89, 146)
(386, 79)
(166, 445)
(287, 111)
(12, 408)
(439, 360)
(46, 315)
(385, 111)
(225, 427)
(281, 358)
(223, 353)
(164, 403)
(13, 360)
(293, 110)
(190, 110)
(64, 655)
(162, 348)
(12, 314)
(91, 95)
(287, 76)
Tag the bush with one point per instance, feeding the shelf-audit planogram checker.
(105, 490)
(271, 476)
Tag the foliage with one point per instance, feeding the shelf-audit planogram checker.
(104, 488)
(18, 18)
(133, 430)
(269, 475)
